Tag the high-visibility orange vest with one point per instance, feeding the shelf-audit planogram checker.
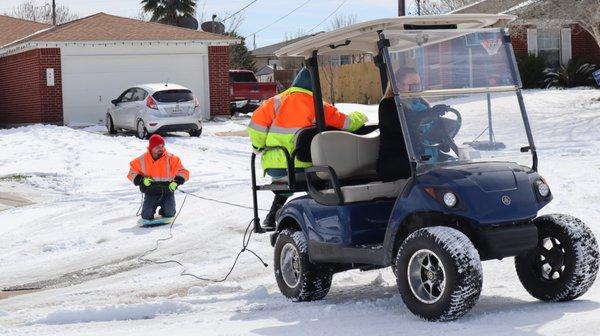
(164, 169)
(278, 119)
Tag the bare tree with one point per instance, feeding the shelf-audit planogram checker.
(431, 7)
(30, 10)
(342, 20)
(552, 12)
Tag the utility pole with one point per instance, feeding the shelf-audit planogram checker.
(54, 12)
(401, 8)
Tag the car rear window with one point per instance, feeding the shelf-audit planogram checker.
(241, 77)
(173, 96)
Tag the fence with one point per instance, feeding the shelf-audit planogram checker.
(351, 83)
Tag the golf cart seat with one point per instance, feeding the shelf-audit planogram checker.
(353, 157)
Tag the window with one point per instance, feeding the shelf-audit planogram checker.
(139, 95)
(127, 96)
(549, 46)
(241, 76)
(173, 96)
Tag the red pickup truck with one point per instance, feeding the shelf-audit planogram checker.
(246, 93)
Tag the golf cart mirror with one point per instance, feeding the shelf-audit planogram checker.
(525, 149)
(115, 102)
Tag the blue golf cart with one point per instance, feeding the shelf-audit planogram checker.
(467, 199)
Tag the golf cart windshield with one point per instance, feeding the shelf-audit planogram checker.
(458, 92)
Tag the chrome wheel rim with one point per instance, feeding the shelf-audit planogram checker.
(289, 261)
(141, 130)
(426, 276)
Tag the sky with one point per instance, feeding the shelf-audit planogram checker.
(260, 14)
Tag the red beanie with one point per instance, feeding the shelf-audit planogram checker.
(155, 140)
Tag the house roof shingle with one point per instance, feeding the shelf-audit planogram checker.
(14, 29)
(105, 27)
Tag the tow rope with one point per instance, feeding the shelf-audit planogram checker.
(245, 241)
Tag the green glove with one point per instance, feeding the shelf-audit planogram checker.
(357, 120)
(173, 186)
(147, 181)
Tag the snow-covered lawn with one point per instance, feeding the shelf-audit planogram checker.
(79, 242)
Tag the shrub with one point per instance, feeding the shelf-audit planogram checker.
(531, 68)
(576, 73)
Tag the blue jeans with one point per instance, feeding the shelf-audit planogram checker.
(166, 202)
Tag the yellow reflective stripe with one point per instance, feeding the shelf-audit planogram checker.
(284, 130)
(258, 127)
(168, 159)
(143, 164)
(294, 89)
(276, 105)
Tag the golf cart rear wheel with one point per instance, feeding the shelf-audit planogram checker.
(438, 273)
(298, 278)
(564, 264)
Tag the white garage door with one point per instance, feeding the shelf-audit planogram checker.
(90, 82)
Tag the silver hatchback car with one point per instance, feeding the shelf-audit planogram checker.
(155, 108)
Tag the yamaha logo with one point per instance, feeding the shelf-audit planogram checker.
(506, 200)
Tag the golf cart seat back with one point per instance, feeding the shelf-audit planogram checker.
(353, 156)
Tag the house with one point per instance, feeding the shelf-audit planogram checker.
(68, 74)
(265, 56)
(557, 42)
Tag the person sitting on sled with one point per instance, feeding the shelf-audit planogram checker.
(276, 121)
(158, 173)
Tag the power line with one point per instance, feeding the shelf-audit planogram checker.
(234, 14)
(281, 18)
(328, 16)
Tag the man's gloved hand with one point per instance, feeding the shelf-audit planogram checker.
(177, 181)
(147, 181)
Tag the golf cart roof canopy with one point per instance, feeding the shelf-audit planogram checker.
(363, 37)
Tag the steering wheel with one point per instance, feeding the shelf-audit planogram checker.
(440, 131)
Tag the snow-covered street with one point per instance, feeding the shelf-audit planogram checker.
(76, 242)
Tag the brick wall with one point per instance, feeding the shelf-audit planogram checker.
(24, 94)
(218, 76)
(518, 37)
(584, 45)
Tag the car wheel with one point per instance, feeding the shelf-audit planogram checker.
(141, 130)
(439, 273)
(110, 126)
(564, 264)
(195, 133)
(298, 278)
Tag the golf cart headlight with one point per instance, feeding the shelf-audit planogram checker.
(542, 188)
(450, 199)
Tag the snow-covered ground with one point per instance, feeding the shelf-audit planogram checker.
(79, 243)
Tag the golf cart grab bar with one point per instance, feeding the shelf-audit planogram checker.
(335, 198)
(291, 171)
(451, 92)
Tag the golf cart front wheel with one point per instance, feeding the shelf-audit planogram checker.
(438, 273)
(298, 278)
(564, 264)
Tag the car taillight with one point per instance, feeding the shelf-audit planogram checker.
(151, 103)
(196, 102)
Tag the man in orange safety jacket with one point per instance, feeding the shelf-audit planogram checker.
(276, 122)
(158, 174)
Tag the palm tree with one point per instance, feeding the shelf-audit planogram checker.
(169, 11)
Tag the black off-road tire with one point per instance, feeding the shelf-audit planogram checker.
(110, 125)
(572, 253)
(461, 270)
(314, 280)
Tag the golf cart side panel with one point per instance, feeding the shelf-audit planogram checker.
(350, 233)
